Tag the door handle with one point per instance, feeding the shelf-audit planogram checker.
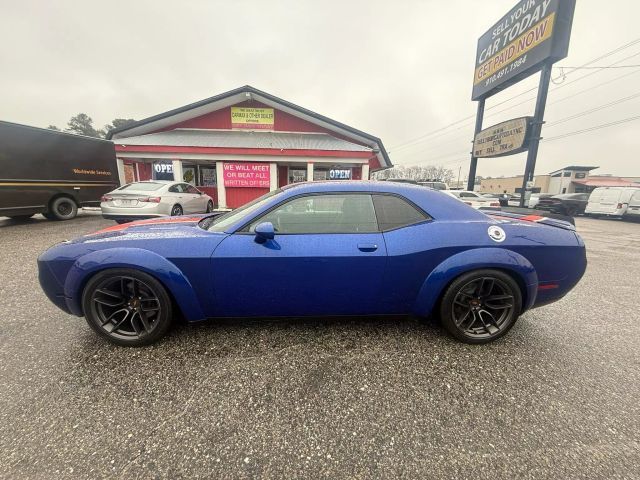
(367, 247)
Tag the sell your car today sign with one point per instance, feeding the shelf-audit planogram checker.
(532, 32)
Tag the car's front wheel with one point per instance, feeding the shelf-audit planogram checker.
(209, 206)
(481, 306)
(127, 307)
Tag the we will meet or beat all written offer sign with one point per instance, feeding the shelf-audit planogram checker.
(251, 175)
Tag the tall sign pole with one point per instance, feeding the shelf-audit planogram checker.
(536, 130)
(528, 39)
(474, 160)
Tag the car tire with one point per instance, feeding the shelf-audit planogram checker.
(209, 206)
(62, 208)
(481, 306)
(143, 302)
(176, 210)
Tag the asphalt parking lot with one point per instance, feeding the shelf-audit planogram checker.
(359, 398)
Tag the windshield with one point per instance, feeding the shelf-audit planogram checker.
(221, 223)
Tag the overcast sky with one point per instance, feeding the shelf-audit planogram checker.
(398, 70)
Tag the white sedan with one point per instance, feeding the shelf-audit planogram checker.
(473, 199)
(154, 198)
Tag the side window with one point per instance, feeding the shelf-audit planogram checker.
(192, 189)
(177, 188)
(340, 213)
(394, 212)
(467, 195)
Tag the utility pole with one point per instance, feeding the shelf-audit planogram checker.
(474, 159)
(458, 182)
(536, 129)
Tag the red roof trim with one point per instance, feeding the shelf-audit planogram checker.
(242, 151)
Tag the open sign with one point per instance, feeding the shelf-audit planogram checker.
(340, 174)
(163, 171)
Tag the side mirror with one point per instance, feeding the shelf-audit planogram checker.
(264, 231)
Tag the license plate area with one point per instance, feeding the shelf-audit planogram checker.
(126, 202)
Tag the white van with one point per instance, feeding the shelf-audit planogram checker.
(610, 201)
(633, 211)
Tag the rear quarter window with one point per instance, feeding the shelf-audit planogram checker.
(395, 212)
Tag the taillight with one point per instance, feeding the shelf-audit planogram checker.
(150, 199)
(106, 198)
(619, 206)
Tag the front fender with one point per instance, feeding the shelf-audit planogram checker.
(476, 259)
(144, 260)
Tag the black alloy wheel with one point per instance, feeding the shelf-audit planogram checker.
(481, 306)
(209, 206)
(176, 211)
(127, 307)
(63, 208)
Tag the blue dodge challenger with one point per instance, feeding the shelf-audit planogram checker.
(320, 248)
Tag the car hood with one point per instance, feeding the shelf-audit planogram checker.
(156, 228)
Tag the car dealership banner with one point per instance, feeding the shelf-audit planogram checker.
(534, 31)
(252, 118)
(245, 174)
(506, 138)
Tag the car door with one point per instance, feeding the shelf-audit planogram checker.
(198, 202)
(175, 196)
(327, 258)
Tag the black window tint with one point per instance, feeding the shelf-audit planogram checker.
(341, 213)
(394, 212)
(192, 189)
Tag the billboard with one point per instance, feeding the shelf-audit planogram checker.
(252, 118)
(533, 32)
(506, 138)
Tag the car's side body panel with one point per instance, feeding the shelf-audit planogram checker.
(229, 274)
(330, 274)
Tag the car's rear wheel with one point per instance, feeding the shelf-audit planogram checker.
(62, 208)
(209, 206)
(176, 211)
(127, 307)
(481, 306)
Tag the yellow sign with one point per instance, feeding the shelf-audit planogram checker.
(507, 59)
(252, 118)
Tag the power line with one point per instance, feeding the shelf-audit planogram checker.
(418, 139)
(592, 110)
(533, 98)
(591, 129)
(590, 68)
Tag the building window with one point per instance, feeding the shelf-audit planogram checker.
(297, 175)
(189, 175)
(319, 175)
(207, 177)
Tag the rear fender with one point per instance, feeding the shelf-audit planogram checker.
(137, 258)
(475, 259)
